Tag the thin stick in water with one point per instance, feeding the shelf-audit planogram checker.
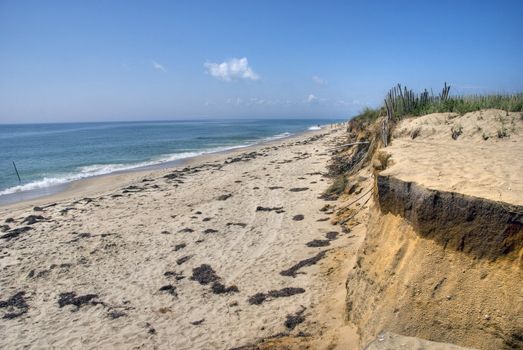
(17, 174)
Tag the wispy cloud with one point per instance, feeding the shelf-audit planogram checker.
(233, 69)
(318, 80)
(158, 66)
(312, 98)
(235, 101)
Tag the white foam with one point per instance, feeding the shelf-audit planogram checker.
(314, 127)
(278, 136)
(104, 169)
(45, 182)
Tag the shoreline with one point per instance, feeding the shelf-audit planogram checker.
(82, 187)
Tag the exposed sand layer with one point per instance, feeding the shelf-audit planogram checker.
(176, 259)
(423, 151)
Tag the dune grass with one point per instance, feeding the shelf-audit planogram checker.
(336, 189)
(404, 102)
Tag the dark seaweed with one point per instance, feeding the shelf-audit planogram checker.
(183, 259)
(16, 305)
(268, 208)
(298, 189)
(259, 298)
(224, 197)
(15, 232)
(292, 272)
(204, 274)
(70, 298)
(210, 230)
(318, 243)
(179, 246)
(177, 275)
(293, 320)
(219, 288)
(169, 288)
(331, 235)
(199, 322)
(241, 224)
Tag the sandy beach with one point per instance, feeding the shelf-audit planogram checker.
(262, 175)
(224, 251)
(325, 240)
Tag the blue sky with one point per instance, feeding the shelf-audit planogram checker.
(140, 60)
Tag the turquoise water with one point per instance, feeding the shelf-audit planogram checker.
(49, 155)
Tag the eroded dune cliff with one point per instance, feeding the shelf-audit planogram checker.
(442, 257)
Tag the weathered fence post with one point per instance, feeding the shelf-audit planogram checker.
(17, 174)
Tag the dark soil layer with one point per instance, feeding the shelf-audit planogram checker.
(476, 226)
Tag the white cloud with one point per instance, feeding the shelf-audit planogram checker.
(311, 98)
(236, 101)
(318, 80)
(236, 68)
(158, 66)
(259, 101)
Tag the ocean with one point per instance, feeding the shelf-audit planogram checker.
(49, 156)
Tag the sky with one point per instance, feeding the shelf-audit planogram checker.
(67, 61)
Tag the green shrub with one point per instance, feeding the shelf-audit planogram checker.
(368, 115)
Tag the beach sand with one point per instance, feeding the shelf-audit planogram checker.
(170, 259)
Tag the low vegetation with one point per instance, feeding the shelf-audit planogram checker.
(336, 189)
(402, 102)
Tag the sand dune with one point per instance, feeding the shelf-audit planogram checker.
(479, 162)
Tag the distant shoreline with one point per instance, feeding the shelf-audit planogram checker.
(76, 187)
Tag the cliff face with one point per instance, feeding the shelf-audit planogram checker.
(439, 265)
(479, 227)
(416, 287)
